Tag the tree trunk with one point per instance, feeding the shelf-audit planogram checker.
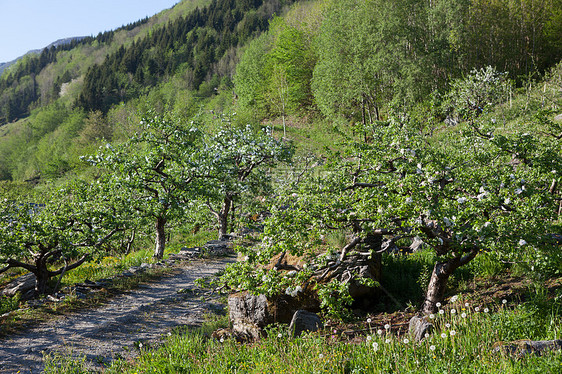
(439, 277)
(160, 238)
(41, 276)
(223, 217)
(437, 285)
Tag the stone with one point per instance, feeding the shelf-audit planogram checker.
(304, 321)
(417, 244)
(248, 315)
(21, 284)
(419, 326)
(524, 347)
(249, 309)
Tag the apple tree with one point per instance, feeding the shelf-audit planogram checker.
(471, 193)
(237, 161)
(159, 168)
(56, 232)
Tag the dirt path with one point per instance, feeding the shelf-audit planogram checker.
(143, 315)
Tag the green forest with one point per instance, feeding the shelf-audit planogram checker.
(328, 129)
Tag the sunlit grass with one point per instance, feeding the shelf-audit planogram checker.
(462, 342)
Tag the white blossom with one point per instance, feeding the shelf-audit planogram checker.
(461, 200)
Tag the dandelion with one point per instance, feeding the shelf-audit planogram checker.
(438, 304)
(426, 335)
(453, 311)
(447, 325)
(140, 345)
(387, 341)
(453, 332)
(486, 310)
(443, 335)
(375, 346)
(466, 305)
(441, 311)
(222, 340)
(477, 309)
(387, 326)
(369, 338)
(406, 341)
(432, 316)
(279, 335)
(379, 331)
(504, 301)
(320, 355)
(454, 298)
(463, 315)
(409, 200)
(432, 348)
(368, 320)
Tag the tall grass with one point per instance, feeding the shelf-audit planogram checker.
(462, 342)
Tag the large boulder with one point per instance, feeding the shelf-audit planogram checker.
(524, 347)
(304, 321)
(21, 284)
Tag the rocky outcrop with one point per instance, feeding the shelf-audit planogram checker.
(304, 321)
(21, 284)
(419, 327)
(524, 347)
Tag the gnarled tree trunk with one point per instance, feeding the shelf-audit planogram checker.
(223, 217)
(160, 237)
(439, 277)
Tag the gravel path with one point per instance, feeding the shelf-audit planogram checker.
(142, 315)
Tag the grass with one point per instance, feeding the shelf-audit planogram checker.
(463, 342)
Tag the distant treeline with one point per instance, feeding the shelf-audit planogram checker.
(193, 44)
(18, 86)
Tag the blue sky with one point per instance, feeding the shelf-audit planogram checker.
(33, 24)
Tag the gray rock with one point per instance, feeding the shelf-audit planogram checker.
(419, 326)
(304, 321)
(247, 308)
(417, 244)
(21, 284)
(524, 347)
(248, 314)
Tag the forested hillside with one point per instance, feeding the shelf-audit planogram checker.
(377, 154)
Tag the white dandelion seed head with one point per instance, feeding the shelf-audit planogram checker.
(453, 311)
(441, 311)
(387, 326)
(279, 335)
(463, 315)
(368, 320)
(453, 333)
(379, 332)
(438, 304)
(454, 298)
(443, 335)
(466, 305)
(432, 348)
(369, 338)
(375, 346)
(448, 325)
(320, 355)
(387, 341)
(486, 310)
(504, 301)
(426, 335)
(406, 341)
(477, 309)
(432, 316)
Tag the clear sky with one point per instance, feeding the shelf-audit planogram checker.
(34, 24)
